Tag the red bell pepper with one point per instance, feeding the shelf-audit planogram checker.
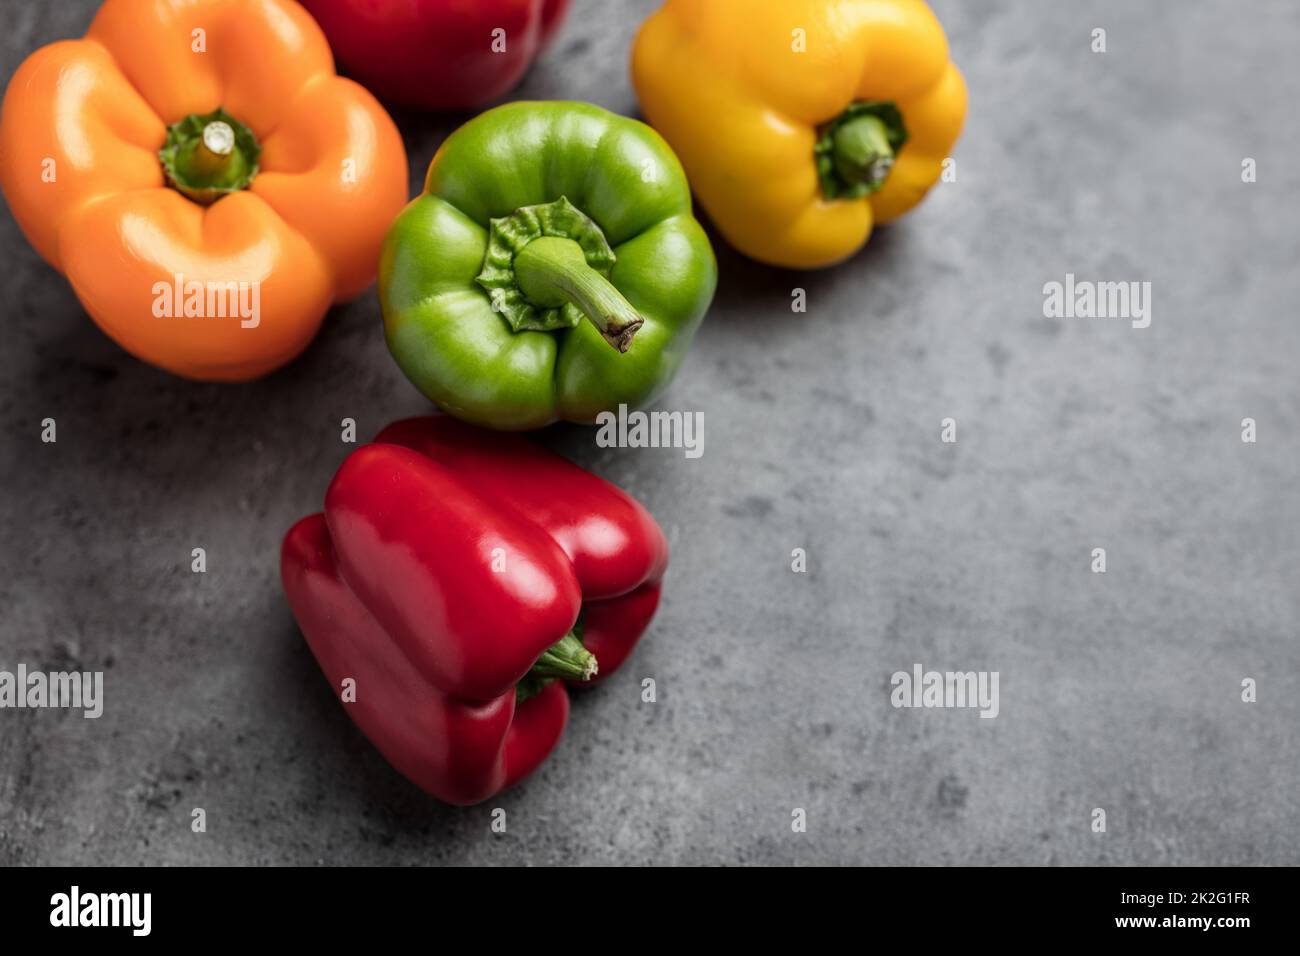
(460, 577)
(438, 54)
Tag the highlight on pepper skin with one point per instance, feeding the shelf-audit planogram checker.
(206, 212)
(794, 157)
(449, 604)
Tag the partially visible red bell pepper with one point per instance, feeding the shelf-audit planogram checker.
(438, 54)
(459, 577)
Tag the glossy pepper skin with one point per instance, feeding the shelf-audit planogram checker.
(438, 54)
(551, 269)
(755, 94)
(448, 560)
(296, 210)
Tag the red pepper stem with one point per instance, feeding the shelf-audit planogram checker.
(552, 271)
(566, 658)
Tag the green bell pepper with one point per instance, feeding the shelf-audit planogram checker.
(550, 270)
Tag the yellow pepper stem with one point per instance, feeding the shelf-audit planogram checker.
(856, 150)
(862, 153)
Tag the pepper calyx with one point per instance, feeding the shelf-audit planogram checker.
(209, 155)
(855, 152)
(547, 267)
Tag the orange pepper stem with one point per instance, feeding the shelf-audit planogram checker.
(207, 156)
(215, 152)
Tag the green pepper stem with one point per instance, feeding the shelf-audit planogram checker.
(566, 658)
(551, 271)
(862, 153)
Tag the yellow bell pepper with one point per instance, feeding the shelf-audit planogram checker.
(801, 123)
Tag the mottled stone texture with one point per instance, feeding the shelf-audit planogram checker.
(822, 431)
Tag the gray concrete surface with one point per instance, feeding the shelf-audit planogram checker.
(1119, 691)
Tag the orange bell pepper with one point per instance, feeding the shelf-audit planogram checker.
(208, 243)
